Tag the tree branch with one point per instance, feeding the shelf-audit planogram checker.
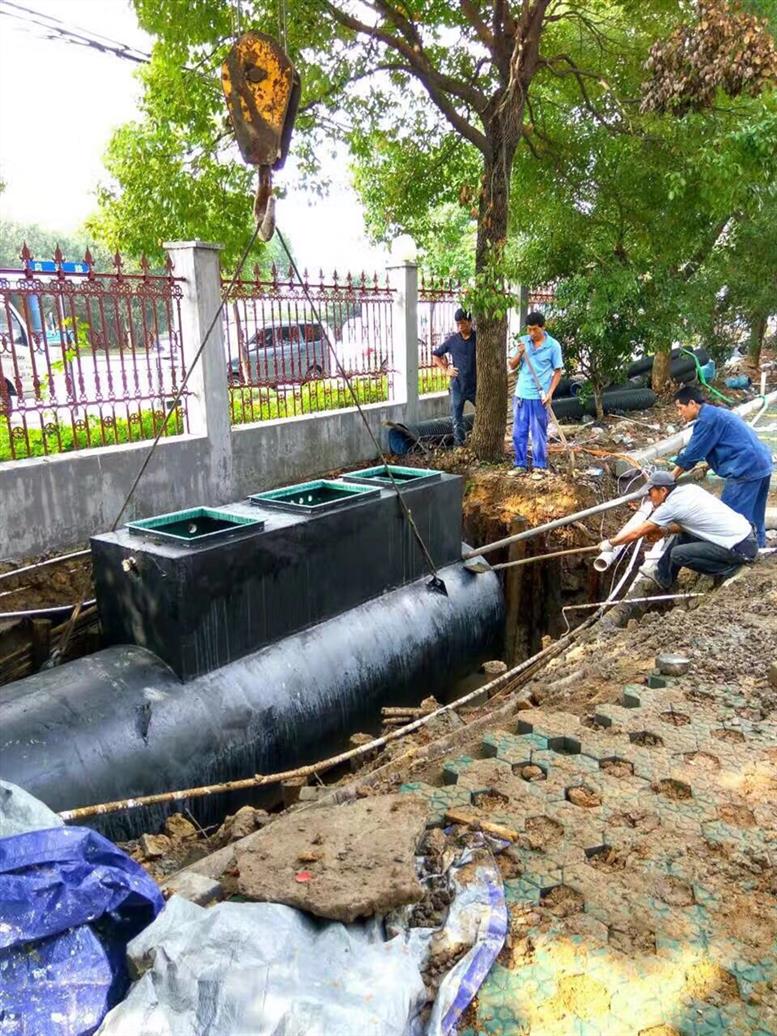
(435, 84)
(472, 15)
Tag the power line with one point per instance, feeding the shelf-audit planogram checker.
(55, 28)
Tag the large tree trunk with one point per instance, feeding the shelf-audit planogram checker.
(660, 378)
(489, 431)
(757, 332)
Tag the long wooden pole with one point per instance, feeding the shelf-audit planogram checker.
(545, 557)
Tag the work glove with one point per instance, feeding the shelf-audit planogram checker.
(605, 547)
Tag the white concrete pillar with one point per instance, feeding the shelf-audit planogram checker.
(403, 278)
(208, 398)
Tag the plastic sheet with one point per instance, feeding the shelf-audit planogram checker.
(69, 903)
(21, 812)
(265, 969)
(269, 969)
(476, 924)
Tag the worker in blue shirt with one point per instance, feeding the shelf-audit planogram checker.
(530, 403)
(461, 368)
(734, 452)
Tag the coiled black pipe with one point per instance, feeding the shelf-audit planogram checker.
(618, 399)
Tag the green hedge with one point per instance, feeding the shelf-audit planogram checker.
(251, 404)
(118, 431)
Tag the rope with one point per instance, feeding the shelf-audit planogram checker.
(436, 582)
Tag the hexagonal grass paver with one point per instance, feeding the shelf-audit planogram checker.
(639, 866)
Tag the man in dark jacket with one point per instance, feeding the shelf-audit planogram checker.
(734, 452)
(456, 356)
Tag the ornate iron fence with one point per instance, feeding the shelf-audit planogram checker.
(438, 300)
(87, 358)
(279, 363)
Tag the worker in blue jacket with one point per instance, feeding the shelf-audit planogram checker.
(734, 452)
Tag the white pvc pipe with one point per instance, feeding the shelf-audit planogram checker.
(680, 439)
(605, 560)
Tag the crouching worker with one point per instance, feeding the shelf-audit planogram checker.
(711, 537)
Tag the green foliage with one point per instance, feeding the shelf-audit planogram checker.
(654, 237)
(119, 430)
(42, 243)
(447, 243)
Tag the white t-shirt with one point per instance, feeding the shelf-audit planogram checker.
(701, 514)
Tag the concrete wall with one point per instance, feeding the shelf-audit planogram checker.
(279, 452)
(53, 503)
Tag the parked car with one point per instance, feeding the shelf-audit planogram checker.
(16, 361)
(279, 354)
(14, 346)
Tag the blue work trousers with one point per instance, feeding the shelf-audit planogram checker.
(530, 419)
(748, 498)
(459, 397)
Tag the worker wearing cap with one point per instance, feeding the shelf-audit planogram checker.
(734, 452)
(713, 538)
(531, 400)
(456, 356)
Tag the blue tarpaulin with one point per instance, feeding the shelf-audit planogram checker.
(70, 901)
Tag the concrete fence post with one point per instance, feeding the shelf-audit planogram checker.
(403, 278)
(208, 396)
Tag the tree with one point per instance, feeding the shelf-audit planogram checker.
(636, 229)
(42, 242)
(436, 95)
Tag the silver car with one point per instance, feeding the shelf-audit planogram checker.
(281, 354)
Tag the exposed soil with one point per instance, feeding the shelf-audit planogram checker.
(543, 832)
(584, 796)
(636, 820)
(490, 801)
(702, 761)
(675, 719)
(561, 901)
(709, 981)
(617, 767)
(607, 858)
(674, 891)
(646, 739)
(633, 941)
(672, 789)
(62, 583)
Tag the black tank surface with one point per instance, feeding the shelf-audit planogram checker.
(121, 723)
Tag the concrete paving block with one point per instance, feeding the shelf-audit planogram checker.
(521, 890)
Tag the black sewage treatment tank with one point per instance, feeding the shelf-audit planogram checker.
(251, 638)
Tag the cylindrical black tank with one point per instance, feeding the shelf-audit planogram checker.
(120, 723)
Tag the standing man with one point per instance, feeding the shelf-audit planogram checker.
(713, 538)
(530, 403)
(461, 368)
(734, 452)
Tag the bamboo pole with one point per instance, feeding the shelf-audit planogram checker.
(43, 564)
(502, 683)
(544, 557)
(496, 688)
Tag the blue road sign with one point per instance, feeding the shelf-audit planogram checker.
(49, 266)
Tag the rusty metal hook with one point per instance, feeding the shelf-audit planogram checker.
(264, 204)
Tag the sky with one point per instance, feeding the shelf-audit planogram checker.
(59, 104)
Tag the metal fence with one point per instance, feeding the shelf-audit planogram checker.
(86, 358)
(279, 362)
(438, 300)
